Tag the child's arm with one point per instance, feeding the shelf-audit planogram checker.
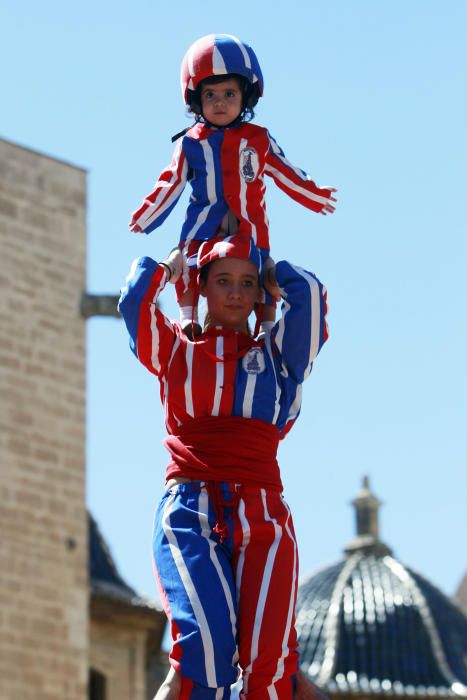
(151, 333)
(165, 195)
(302, 330)
(296, 183)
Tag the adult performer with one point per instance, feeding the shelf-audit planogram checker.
(225, 552)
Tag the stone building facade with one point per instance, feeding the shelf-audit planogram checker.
(50, 647)
(43, 573)
(125, 657)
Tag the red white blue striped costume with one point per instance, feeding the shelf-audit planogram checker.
(230, 599)
(226, 169)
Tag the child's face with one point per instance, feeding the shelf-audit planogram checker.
(221, 103)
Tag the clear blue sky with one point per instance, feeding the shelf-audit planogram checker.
(368, 97)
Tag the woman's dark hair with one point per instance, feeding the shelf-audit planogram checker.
(203, 278)
(246, 88)
(203, 273)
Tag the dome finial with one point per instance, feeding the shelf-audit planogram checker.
(366, 506)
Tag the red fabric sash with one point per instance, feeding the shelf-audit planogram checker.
(226, 448)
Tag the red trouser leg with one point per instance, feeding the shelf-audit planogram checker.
(186, 688)
(266, 566)
(190, 274)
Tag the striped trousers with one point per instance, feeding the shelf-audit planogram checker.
(230, 603)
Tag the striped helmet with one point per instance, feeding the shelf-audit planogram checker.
(220, 54)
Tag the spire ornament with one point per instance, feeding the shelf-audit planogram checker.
(366, 506)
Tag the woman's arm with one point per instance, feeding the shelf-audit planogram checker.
(301, 331)
(151, 333)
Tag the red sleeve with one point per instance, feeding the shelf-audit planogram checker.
(294, 181)
(152, 335)
(167, 191)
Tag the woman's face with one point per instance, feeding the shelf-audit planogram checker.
(231, 292)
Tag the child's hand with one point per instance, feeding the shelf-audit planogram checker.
(175, 263)
(328, 207)
(269, 279)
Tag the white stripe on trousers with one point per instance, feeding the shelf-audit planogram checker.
(263, 590)
(190, 589)
(285, 640)
(206, 532)
(246, 532)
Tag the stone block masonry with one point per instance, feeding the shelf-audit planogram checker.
(43, 544)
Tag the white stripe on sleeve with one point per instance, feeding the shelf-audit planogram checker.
(315, 310)
(278, 175)
(277, 405)
(154, 337)
(188, 381)
(285, 161)
(315, 307)
(281, 324)
(156, 209)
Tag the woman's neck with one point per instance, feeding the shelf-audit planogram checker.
(218, 326)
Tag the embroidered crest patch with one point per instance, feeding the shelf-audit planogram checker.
(249, 164)
(253, 362)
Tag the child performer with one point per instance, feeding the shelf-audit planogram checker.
(224, 158)
(225, 551)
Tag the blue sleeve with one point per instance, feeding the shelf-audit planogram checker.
(301, 331)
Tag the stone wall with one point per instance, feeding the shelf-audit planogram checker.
(43, 545)
(121, 642)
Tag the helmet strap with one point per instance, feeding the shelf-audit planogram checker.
(180, 133)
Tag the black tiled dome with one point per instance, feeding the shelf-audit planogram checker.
(370, 625)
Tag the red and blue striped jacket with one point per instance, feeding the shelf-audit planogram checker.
(226, 169)
(265, 383)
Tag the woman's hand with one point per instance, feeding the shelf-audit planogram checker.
(175, 263)
(269, 279)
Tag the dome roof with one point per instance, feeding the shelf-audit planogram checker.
(104, 578)
(370, 625)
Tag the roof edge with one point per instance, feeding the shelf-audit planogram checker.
(43, 154)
